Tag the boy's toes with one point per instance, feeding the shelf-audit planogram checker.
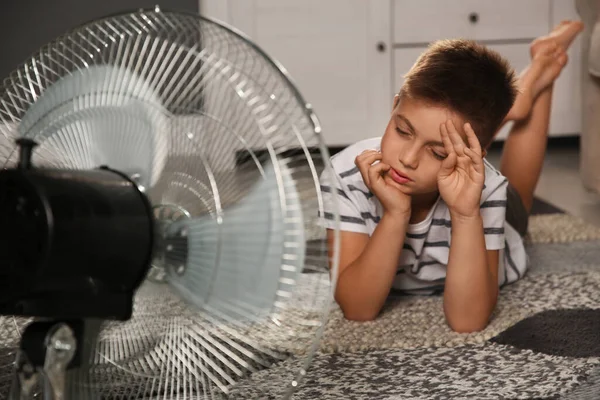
(543, 46)
(575, 27)
(562, 58)
(562, 35)
(535, 47)
(566, 34)
(550, 47)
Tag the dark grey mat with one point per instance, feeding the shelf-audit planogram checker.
(542, 207)
(564, 257)
(565, 333)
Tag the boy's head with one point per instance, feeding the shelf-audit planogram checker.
(453, 79)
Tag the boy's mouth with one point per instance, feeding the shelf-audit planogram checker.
(398, 177)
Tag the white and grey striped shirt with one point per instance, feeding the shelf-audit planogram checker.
(424, 258)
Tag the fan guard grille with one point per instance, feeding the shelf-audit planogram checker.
(225, 110)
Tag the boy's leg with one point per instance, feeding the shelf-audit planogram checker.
(525, 147)
(528, 92)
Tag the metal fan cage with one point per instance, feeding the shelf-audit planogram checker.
(229, 111)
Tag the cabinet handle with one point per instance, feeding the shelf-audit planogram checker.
(381, 47)
(473, 17)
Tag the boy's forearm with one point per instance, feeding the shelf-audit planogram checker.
(365, 284)
(471, 291)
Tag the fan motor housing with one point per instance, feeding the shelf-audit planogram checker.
(75, 244)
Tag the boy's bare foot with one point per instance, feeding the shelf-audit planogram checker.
(563, 34)
(545, 67)
(548, 55)
(553, 59)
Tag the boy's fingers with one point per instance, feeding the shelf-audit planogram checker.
(367, 156)
(366, 152)
(448, 146)
(472, 138)
(364, 161)
(448, 164)
(376, 170)
(364, 173)
(475, 159)
(457, 141)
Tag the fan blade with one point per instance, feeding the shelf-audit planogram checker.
(233, 263)
(83, 122)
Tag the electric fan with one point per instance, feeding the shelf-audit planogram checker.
(160, 214)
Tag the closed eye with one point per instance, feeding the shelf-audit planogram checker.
(440, 157)
(400, 131)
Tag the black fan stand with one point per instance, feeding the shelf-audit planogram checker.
(76, 245)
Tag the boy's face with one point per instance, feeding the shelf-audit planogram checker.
(412, 145)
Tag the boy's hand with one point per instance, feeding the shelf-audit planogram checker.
(394, 202)
(462, 175)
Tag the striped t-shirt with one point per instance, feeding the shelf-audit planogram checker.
(424, 258)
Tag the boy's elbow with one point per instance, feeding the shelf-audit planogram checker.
(462, 319)
(467, 323)
(359, 316)
(467, 327)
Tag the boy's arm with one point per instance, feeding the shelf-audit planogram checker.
(368, 266)
(471, 289)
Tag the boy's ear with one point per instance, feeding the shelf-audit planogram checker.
(396, 101)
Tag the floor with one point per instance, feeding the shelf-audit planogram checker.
(560, 183)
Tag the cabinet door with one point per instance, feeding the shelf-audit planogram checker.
(330, 49)
(422, 21)
(566, 102)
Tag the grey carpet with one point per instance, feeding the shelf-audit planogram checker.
(558, 301)
(589, 389)
(488, 371)
(410, 353)
(560, 228)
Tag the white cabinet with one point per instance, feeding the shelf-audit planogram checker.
(423, 21)
(330, 50)
(347, 57)
(566, 117)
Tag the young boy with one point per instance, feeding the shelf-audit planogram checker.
(421, 210)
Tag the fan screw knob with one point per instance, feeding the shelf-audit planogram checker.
(62, 346)
(25, 150)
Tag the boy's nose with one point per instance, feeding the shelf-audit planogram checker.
(410, 158)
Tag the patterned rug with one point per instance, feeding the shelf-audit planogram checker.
(543, 340)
